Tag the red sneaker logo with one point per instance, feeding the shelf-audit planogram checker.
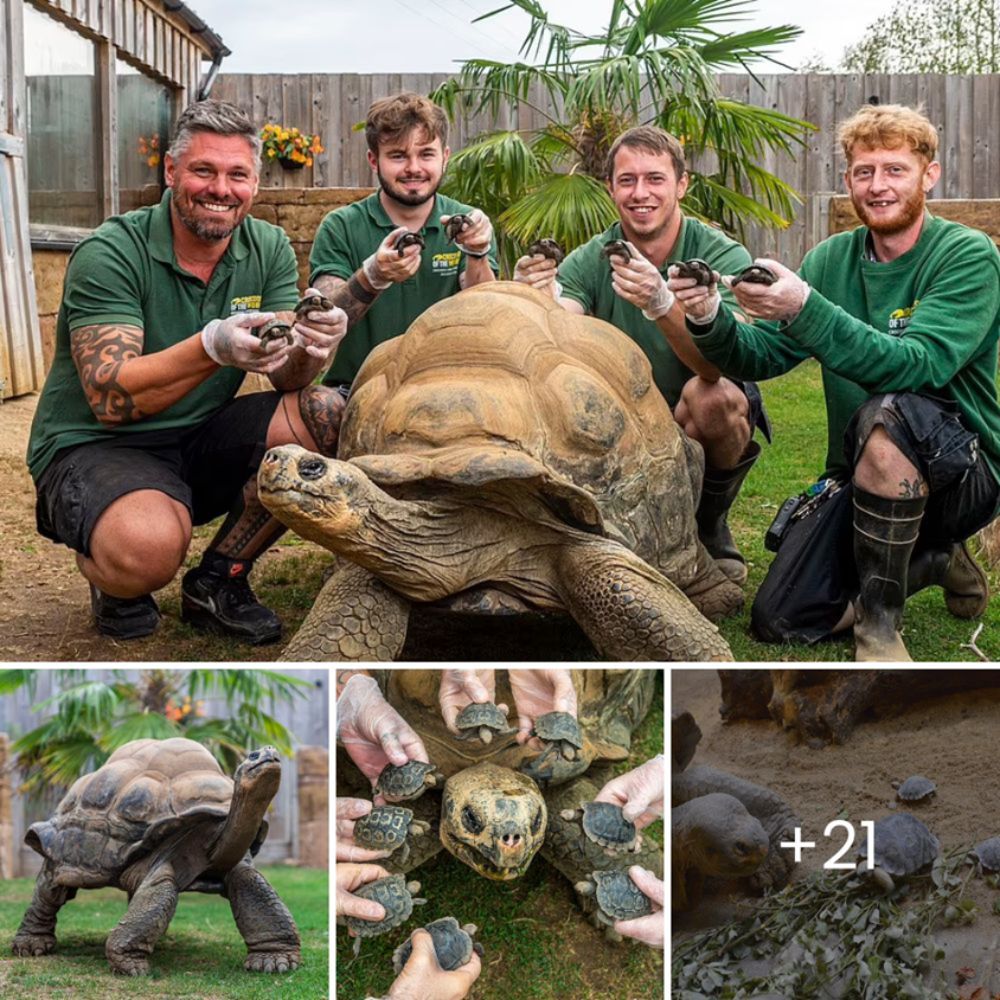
(235, 569)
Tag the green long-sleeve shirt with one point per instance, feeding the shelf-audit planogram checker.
(926, 322)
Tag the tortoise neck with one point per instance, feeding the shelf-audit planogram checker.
(246, 814)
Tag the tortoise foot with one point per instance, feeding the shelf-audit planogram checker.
(128, 965)
(33, 945)
(273, 961)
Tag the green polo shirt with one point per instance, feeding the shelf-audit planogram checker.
(126, 272)
(585, 277)
(347, 236)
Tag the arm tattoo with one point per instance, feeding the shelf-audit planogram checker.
(350, 295)
(321, 409)
(910, 490)
(99, 353)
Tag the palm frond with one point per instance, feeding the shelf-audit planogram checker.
(88, 705)
(13, 680)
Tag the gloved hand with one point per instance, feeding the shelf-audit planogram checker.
(639, 281)
(537, 692)
(649, 929)
(372, 732)
(781, 301)
(639, 792)
(351, 877)
(463, 687)
(540, 272)
(385, 267)
(349, 810)
(699, 302)
(321, 331)
(229, 342)
(423, 979)
(477, 238)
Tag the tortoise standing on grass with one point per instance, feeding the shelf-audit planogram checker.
(159, 818)
(504, 443)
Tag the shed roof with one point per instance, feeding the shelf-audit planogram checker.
(198, 27)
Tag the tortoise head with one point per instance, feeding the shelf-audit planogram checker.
(729, 842)
(255, 784)
(493, 819)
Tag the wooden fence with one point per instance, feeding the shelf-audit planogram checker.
(965, 109)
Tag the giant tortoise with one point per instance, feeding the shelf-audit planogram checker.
(160, 818)
(503, 443)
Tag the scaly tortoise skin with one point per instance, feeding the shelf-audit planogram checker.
(386, 828)
(503, 444)
(396, 895)
(408, 781)
(158, 818)
(482, 720)
(453, 945)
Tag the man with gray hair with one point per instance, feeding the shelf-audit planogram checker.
(138, 433)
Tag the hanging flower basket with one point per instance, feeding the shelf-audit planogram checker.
(289, 147)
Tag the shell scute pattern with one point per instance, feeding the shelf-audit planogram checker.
(903, 845)
(396, 895)
(987, 854)
(618, 897)
(916, 788)
(409, 781)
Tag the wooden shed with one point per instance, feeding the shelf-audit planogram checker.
(88, 92)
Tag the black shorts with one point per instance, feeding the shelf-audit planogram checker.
(813, 576)
(203, 468)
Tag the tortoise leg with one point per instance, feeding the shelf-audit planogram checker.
(149, 914)
(356, 617)
(37, 933)
(628, 610)
(267, 927)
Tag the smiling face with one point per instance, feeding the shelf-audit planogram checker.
(213, 182)
(410, 167)
(647, 192)
(888, 187)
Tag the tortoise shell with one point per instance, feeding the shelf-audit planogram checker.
(395, 894)
(696, 268)
(903, 845)
(384, 828)
(916, 789)
(987, 854)
(619, 897)
(547, 248)
(558, 726)
(453, 945)
(408, 781)
(481, 719)
(605, 824)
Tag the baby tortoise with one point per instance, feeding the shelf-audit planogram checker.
(409, 239)
(385, 828)
(618, 897)
(696, 268)
(409, 781)
(604, 824)
(916, 789)
(482, 720)
(547, 248)
(279, 328)
(561, 730)
(903, 846)
(755, 274)
(987, 855)
(453, 945)
(396, 895)
(455, 224)
(616, 248)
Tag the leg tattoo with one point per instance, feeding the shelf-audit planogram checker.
(249, 528)
(322, 410)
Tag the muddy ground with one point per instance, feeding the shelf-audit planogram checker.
(952, 740)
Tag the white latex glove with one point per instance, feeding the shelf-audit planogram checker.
(229, 342)
(385, 267)
(372, 732)
(476, 238)
(540, 272)
(321, 331)
(699, 302)
(639, 792)
(781, 301)
(460, 688)
(537, 692)
(349, 810)
(639, 281)
(351, 877)
(649, 929)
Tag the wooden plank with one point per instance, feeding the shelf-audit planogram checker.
(106, 172)
(983, 142)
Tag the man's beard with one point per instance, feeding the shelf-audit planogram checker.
(403, 197)
(909, 211)
(209, 230)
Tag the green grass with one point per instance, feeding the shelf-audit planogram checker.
(538, 945)
(201, 955)
(795, 404)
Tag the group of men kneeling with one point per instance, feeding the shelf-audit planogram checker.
(139, 433)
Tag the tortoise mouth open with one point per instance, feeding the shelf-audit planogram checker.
(480, 863)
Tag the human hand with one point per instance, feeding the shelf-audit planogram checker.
(477, 237)
(781, 301)
(699, 302)
(639, 792)
(649, 929)
(385, 267)
(321, 330)
(372, 732)
(423, 979)
(349, 810)
(537, 692)
(463, 687)
(229, 342)
(351, 877)
(540, 272)
(639, 281)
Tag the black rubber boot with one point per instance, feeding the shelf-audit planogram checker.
(216, 595)
(885, 532)
(124, 617)
(954, 568)
(719, 489)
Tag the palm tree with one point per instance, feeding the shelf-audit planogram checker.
(89, 719)
(653, 63)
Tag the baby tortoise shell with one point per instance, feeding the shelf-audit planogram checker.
(455, 224)
(409, 239)
(916, 789)
(903, 846)
(547, 248)
(396, 895)
(696, 268)
(386, 828)
(409, 781)
(453, 945)
(482, 720)
(278, 328)
(562, 730)
(605, 824)
(987, 855)
(755, 274)
(616, 248)
(618, 897)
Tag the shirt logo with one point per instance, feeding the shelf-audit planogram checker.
(446, 264)
(899, 319)
(244, 303)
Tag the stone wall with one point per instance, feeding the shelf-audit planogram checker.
(314, 806)
(6, 810)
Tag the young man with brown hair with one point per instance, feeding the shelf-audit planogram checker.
(903, 314)
(354, 259)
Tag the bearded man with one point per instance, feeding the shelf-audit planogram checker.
(355, 261)
(903, 314)
(138, 433)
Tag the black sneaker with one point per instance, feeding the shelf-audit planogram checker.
(227, 605)
(124, 617)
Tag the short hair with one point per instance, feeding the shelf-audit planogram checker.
(390, 118)
(888, 126)
(653, 139)
(217, 117)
